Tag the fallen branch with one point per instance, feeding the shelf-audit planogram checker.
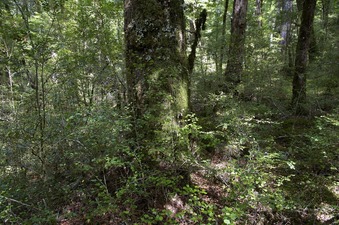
(19, 202)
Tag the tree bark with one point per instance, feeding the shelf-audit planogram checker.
(237, 44)
(313, 47)
(156, 70)
(286, 37)
(223, 37)
(326, 6)
(286, 23)
(199, 25)
(258, 12)
(302, 55)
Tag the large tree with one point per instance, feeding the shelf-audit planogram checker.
(237, 43)
(156, 67)
(302, 55)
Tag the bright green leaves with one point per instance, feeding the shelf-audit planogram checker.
(230, 215)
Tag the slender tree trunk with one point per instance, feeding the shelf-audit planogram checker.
(258, 13)
(38, 84)
(10, 78)
(286, 23)
(302, 53)
(223, 37)
(8, 51)
(237, 44)
(313, 48)
(199, 25)
(285, 34)
(325, 12)
(156, 70)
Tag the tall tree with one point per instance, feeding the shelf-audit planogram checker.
(286, 22)
(286, 32)
(223, 35)
(237, 44)
(313, 48)
(199, 24)
(156, 67)
(302, 55)
(326, 6)
(258, 11)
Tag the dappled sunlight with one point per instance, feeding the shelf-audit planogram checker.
(174, 112)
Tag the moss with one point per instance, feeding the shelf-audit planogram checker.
(182, 97)
(155, 63)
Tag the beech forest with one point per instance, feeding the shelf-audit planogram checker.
(177, 112)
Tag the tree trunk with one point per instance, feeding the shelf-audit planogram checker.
(313, 48)
(223, 37)
(199, 25)
(285, 34)
(156, 71)
(286, 23)
(326, 6)
(258, 7)
(302, 53)
(237, 44)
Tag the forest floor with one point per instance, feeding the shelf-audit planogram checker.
(289, 176)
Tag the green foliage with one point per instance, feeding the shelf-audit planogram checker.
(230, 215)
(6, 212)
(270, 158)
(197, 210)
(65, 125)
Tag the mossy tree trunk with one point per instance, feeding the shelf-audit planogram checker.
(156, 67)
(302, 55)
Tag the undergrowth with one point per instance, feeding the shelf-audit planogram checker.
(246, 166)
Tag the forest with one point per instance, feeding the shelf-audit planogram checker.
(130, 112)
